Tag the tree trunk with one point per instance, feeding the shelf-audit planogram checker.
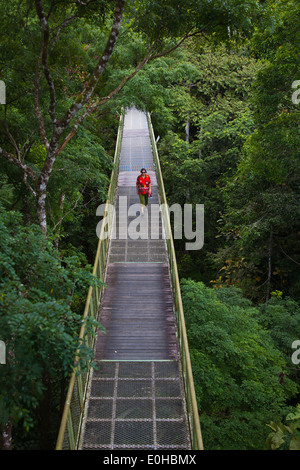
(61, 209)
(200, 134)
(269, 267)
(43, 182)
(82, 99)
(41, 211)
(6, 436)
(187, 130)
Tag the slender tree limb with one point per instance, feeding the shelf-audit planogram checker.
(15, 145)
(12, 140)
(37, 108)
(269, 266)
(33, 192)
(89, 88)
(62, 26)
(296, 262)
(126, 79)
(168, 51)
(27, 171)
(44, 55)
(103, 100)
(73, 206)
(148, 57)
(27, 145)
(74, 129)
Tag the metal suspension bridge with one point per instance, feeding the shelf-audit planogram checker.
(141, 393)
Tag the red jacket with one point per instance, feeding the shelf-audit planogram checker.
(143, 184)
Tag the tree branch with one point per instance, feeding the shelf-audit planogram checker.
(103, 100)
(73, 131)
(28, 172)
(63, 25)
(37, 108)
(74, 205)
(89, 88)
(188, 35)
(14, 143)
(44, 55)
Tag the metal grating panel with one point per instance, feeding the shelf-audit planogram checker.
(136, 405)
(136, 151)
(137, 314)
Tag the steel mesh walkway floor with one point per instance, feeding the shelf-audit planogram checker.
(150, 244)
(137, 312)
(136, 405)
(136, 397)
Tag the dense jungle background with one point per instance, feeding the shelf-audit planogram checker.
(221, 82)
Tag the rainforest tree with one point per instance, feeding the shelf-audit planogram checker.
(39, 323)
(243, 380)
(79, 63)
(53, 107)
(261, 218)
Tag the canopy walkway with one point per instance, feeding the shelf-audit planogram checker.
(141, 394)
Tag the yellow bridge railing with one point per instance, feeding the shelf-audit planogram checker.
(70, 427)
(71, 422)
(192, 408)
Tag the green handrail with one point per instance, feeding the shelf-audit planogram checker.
(70, 426)
(192, 408)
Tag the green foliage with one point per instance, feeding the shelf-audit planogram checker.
(207, 89)
(260, 220)
(285, 436)
(37, 321)
(81, 177)
(175, 17)
(229, 140)
(236, 367)
(281, 317)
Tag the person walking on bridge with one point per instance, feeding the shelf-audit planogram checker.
(143, 188)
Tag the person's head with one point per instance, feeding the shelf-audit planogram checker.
(143, 171)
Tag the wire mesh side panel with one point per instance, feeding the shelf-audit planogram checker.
(136, 405)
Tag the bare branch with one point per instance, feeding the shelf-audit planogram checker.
(44, 54)
(14, 143)
(168, 51)
(148, 57)
(63, 25)
(89, 88)
(288, 256)
(74, 205)
(73, 131)
(27, 145)
(125, 80)
(33, 192)
(37, 108)
(28, 172)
